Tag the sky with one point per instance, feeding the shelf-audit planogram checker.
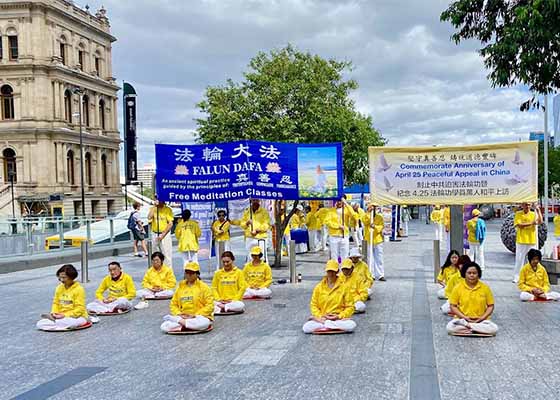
(418, 86)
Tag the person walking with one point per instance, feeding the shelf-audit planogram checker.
(136, 227)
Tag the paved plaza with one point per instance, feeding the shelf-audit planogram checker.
(399, 350)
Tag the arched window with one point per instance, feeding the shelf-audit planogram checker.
(68, 106)
(13, 51)
(70, 167)
(10, 171)
(104, 170)
(85, 110)
(7, 100)
(88, 169)
(63, 49)
(97, 57)
(102, 113)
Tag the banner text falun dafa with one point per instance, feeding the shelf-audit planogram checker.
(490, 173)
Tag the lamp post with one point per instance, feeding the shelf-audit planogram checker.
(80, 92)
(11, 176)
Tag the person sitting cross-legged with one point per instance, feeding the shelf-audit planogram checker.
(355, 284)
(228, 286)
(192, 305)
(258, 276)
(361, 268)
(121, 291)
(452, 281)
(472, 303)
(331, 304)
(159, 280)
(69, 303)
(533, 279)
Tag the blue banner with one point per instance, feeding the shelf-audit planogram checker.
(248, 169)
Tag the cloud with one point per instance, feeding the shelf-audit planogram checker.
(418, 86)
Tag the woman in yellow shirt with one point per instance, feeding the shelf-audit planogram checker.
(69, 303)
(228, 286)
(159, 280)
(121, 291)
(192, 305)
(220, 234)
(258, 276)
(533, 279)
(332, 304)
(452, 281)
(472, 303)
(187, 233)
(449, 267)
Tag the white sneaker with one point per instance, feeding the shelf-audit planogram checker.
(93, 319)
(141, 305)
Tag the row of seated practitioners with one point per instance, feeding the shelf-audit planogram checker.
(471, 301)
(193, 303)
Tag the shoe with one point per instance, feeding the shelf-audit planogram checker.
(141, 305)
(382, 279)
(135, 255)
(93, 319)
(139, 255)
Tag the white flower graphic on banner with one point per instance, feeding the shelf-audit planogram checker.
(273, 167)
(181, 170)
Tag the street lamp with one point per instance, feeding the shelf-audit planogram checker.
(80, 93)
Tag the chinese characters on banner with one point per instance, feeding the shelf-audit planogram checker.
(248, 169)
(495, 173)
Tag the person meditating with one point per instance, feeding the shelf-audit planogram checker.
(331, 303)
(192, 305)
(472, 303)
(452, 281)
(159, 280)
(355, 284)
(69, 303)
(258, 276)
(448, 268)
(361, 269)
(121, 291)
(533, 279)
(228, 286)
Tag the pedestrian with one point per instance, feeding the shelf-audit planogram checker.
(136, 226)
(187, 233)
(525, 223)
(160, 217)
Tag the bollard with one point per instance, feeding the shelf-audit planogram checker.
(29, 234)
(149, 247)
(292, 261)
(111, 230)
(364, 251)
(88, 230)
(221, 249)
(436, 260)
(61, 235)
(84, 246)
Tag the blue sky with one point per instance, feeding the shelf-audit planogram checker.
(418, 86)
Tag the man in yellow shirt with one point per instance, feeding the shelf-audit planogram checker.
(533, 279)
(356, 285)
(255, 223)
(437, 219)
(220, 233)
(338, 221)
(159, 280)
(258, 276)
(374, 236)
(121, 291)
(187, 233)
(228, 286)
(312, 223)
(160, 218)
(192, 305)
(525, 223)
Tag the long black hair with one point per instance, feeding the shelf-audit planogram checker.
(448, 262)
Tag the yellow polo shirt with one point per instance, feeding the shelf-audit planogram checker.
(161, 218)
(472, 302)
(528, 234)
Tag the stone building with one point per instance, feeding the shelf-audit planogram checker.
(55, 61)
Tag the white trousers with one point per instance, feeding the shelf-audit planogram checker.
(147, 293)
(441, 293)
(60, 324)
(189, 256)
(448, 241)
(344, 324)
(313, 239)
(356, 237)
(486, 326)
(262, 243)
(445, 307)
(360, 306)
(438, 230)
(405, 228)
(521, 251)
(375, 260)
(263, 293)
(165, 246)
(324, 233)
(98, 306)
(227, 247)
(198, 323)
(339, 247)
(476, 253)
(234, 306)
(526, 296)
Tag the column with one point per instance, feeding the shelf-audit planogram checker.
(114, 113)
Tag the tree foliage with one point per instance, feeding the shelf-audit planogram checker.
(520, 40)
(553, 168)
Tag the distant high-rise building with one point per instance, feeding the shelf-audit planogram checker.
(146, 175)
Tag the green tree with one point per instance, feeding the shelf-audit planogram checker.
(553, 168)
(291, 96)
(519, 41)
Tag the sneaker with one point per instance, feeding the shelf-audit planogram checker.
(93, 319)
(141, 305)
(382, 279)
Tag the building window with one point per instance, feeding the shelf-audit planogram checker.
(104, 170)
(13, 47)
(81, 59)
(68, 106)
(97, 66)
(88, 169)
(70, 167)
(7, 102)
(85, 110)
(10, 171)
(102, 113)
(1, 47)
(63, 52)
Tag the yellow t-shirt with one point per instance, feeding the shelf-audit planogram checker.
(336, 300)
(446, 273)
(187, 233)
(161, 218)
(122, 287)
(471, 227)
(220, 230)
(164, 278)
(193, 300)
(70, 301)
(228, 285)
(556, 222)
(528, 234)
(472, 302)
(258, 275)
(530, 279)
(451, 282)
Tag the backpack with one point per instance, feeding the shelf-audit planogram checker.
(131, 224)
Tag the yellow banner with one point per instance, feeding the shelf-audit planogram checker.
(488, 173)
